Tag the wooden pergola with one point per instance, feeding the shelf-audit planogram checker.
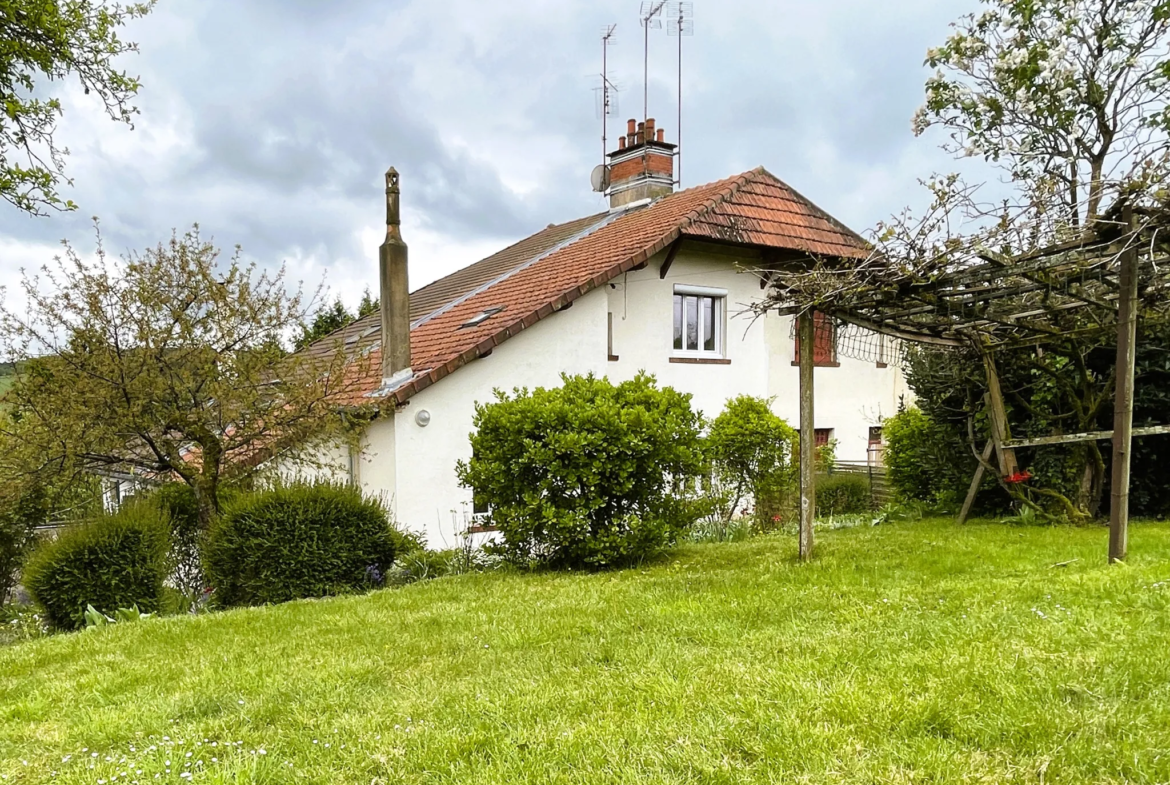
(1099, 283)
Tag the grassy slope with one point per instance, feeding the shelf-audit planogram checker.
(914, 653)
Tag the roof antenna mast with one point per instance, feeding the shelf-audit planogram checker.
(607, 91)
(650, 16)
(681, 16)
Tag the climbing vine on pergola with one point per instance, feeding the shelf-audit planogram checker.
(967, 295)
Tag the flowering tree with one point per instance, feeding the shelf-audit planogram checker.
(1070, 96)
(166, 365)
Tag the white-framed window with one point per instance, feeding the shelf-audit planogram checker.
(699, 314)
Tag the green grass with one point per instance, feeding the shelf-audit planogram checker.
(915, 653)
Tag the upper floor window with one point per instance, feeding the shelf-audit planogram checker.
(698, 321)
(824, 341)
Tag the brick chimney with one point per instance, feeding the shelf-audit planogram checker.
(643, 165)
(395, 291)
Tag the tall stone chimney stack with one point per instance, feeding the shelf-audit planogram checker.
(395, 292)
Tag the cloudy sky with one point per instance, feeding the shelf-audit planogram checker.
(271, 122)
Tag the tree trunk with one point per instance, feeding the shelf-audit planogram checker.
(207, 497)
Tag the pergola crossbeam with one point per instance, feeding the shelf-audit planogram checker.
(1099, 281)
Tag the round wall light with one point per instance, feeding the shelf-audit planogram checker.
(423, 418)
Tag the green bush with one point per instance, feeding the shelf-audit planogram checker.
(300, 541)
(587, 475)
(843, 494)
(116, 561)
(753, 453)
(911, 440)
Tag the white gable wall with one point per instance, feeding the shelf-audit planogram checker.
(642, 304)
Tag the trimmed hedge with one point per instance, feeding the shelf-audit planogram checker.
(300, 541)
(843, 494)
(117, 561)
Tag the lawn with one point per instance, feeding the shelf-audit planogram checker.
(908, 653)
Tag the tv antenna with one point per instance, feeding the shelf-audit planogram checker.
(680, 23)
(608, 92)
(650, 16)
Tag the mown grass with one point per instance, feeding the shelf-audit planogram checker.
(904, 654)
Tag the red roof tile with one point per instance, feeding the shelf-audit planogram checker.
(754, 208)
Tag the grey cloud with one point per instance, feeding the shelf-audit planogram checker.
(286, 113)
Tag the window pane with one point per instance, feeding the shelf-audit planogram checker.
(709, 310)
(678, 321)
(692, 323)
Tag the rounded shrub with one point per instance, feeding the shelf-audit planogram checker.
(753, 453)
(300, 541)
(116, 561)
(843, 494)
(587, 475)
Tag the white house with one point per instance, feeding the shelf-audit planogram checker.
(661, 282)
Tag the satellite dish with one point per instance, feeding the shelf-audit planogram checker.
(600, 178)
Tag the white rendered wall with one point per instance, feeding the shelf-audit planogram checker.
(642, 304)
(572, 341)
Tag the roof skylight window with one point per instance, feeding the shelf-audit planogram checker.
(481, 317)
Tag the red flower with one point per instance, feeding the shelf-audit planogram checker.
(1017, 478)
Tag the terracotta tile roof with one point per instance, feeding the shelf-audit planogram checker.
(766, 211)
(461, 283)
(551, 269)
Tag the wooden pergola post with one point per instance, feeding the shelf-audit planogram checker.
(808, 435)
(1123, 398)
(1001, 431)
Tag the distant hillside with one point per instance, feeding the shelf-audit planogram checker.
(6, 376)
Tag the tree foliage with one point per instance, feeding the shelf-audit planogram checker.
(165, 364)
(1069, 96)
(48, 41)
(1067, 387)
(325, 322)
(19, 518)
(587, 475)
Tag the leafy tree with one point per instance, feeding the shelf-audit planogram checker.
(1066, 388)
(369, 305)
(753, 452)
(49, 41)
(326, 322)
(168, 364)
(589, 474)
(1069, 96)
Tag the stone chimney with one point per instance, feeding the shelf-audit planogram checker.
(643, 165)
(395, 292)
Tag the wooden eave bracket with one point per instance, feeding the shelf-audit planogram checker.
(673, 252)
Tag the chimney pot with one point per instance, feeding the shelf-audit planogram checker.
(649, 129)
(631, 129)
(641, 133)
(661, 135)
(622, 143)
